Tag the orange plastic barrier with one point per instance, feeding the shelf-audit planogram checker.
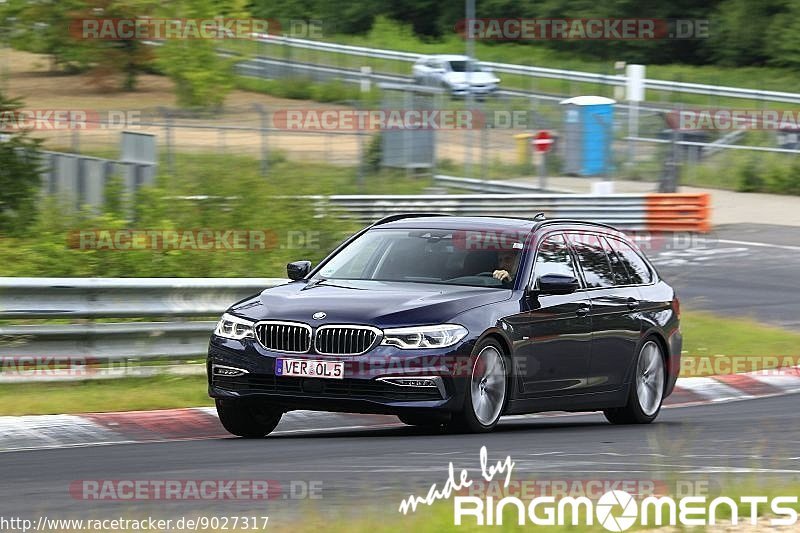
(678, 212)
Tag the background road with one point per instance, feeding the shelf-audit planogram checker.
(739, 270)
(374, 467)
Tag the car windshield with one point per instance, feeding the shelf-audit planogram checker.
(461, 66)
(458, 257)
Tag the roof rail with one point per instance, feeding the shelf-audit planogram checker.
(401, 216)
(573, 221)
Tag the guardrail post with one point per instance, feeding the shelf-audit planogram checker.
(168, 139)
(366, 79)
(264, 123)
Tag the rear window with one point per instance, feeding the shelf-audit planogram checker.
(638, 271)
(617, 266)
(592, 257)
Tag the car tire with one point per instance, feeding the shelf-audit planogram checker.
(486, 391)
(646, 393)
(248, 418)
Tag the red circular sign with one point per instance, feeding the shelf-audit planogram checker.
(543, 141)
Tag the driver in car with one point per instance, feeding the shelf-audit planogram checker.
(507, 265)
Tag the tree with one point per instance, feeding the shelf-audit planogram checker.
(742, 30)
(43, 27)
(783, 46)
(20, 178)
(202, 77)
(121, 57)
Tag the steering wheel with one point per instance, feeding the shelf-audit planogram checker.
(486, 274)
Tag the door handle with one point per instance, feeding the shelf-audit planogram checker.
(633, 303)
(582, 310)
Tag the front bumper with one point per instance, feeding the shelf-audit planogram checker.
(477, 91)
(361, 390)
(675, 347)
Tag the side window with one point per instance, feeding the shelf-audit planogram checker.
(617, 266)
(594, 262)
(637, 269)
(553, 257)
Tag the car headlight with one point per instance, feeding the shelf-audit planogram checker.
(233, 327)
(440, 336)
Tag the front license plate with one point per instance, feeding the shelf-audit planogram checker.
(306, 368)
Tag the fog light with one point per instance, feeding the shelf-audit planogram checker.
(230, 371)
(417, 382)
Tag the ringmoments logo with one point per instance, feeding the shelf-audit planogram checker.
(605, 510)
(618, 510)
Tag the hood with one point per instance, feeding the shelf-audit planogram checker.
(476, 78)
(378, 303)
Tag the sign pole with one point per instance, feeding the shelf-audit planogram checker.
(542, 143)
(543, 171)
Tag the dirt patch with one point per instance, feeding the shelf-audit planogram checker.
(232, 130)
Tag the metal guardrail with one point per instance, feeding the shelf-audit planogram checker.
(715, 145)
(123, 297)
(635, 212)
(490, 186)
(543, 72)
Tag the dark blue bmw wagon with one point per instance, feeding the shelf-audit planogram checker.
(454, 321)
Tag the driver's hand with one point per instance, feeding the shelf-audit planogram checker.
(502, 275)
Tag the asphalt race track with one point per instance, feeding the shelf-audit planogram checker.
(708, 445)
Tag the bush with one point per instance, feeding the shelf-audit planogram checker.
(749, 177)
(19, 174)
(374, 153)
(242, 199)
(763, 172)
(334, 91)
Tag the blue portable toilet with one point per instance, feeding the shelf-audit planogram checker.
(587, 136)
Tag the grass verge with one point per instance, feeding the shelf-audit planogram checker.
(716, 345)
(94, 396)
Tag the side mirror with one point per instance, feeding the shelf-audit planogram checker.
(557, 284)
(298, 269)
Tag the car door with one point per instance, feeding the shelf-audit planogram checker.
(558, 328)
(438, 72)
(616, 323)
(425, 71)
(418, 72)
